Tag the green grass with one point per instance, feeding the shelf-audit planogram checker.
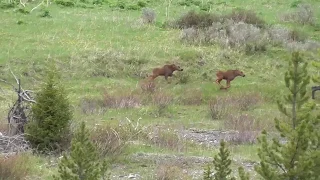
(75, 39)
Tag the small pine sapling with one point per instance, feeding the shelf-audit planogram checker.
(221, 163)
(83, 162)
(48, 126)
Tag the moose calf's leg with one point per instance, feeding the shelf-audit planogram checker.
(228, 84)
(218, 81)
(166, 77)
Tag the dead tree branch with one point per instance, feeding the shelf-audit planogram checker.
(18, 113)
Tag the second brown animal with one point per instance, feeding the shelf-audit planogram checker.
(228, 75)
(166, 71)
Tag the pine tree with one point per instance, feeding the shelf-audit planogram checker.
(298, 157)
(316, 78)
(49, 125)
(316, 64)
(242, 174)
(221, 163)
(207, 173)
(83, 163)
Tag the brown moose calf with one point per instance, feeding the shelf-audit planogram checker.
(228, 75)
(166, 71)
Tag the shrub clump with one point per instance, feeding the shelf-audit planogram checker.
(248, 127)
(92, 106)
(291, 39)
(167, 138)
(219, 107)
(196, 20)
(303, 15)
(148, 15)
(49, 125)
(121, 100)
(246, 16)
(241, 29)
(161, 101)
(128, 4)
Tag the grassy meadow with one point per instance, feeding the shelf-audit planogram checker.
(104, 53)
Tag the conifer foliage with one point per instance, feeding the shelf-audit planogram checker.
(49, 125)
(83, 162)
(221, 164)
(242, 174)
(297, 157)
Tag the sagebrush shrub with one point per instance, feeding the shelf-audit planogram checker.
(191, 35)
(279, 34)
(246, 16)
(229, 33)
(66, 3)
(148, 15)
(167, 138)
(161, 101)
(246, 101)
(91, 106)
(241, 34)
(248, 127)
(296, 35)
(304, 14)
(291, 39)
(197, 20)
(218, 108)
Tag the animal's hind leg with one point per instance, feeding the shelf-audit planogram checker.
(218, 82)
(151, 77)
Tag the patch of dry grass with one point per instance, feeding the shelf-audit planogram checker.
(165, 137)
(221, 106)
(112, 140)
(304, 14)
(192, 97)
(247, 127)
(121, 100)
(14, 167)
(161, 100)
(170, 171)
(92, 106)
(147, 86)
